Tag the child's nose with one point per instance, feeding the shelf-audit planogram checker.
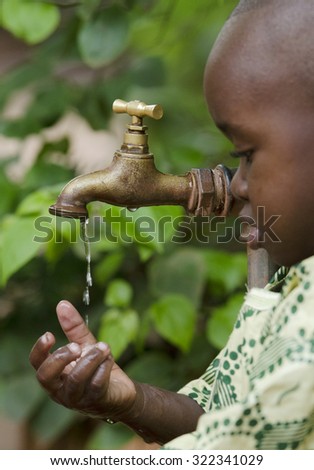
(239, 188)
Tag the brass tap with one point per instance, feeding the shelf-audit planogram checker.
(133, 181)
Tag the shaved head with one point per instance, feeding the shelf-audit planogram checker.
(273, 40)
(259, 87)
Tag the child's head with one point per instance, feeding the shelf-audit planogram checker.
(259, 85)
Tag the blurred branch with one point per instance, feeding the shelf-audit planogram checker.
(71, 3)
(72, 71)
(63, 3)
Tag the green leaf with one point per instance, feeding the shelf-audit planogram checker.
(152, 227)
(17, 245)
(108, 267)
(87, 8)
(149, 72)
(183, 272)
(11, 192)
(21, 77)
(221, 322)
(148, 227)
(47, 173)
(28, 20)
(53, 99)
(145, 253)
(226, 271)
(156, 368)
(19, 396)
(119, 294)
(102, 39)
(38, 202)
(118, 328)
(174, 317)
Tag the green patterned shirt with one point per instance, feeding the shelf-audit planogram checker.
(259, 391)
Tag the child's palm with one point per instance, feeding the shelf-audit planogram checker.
(83, 374)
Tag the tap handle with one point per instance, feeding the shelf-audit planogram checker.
(138, 108)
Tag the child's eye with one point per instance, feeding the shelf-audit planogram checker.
(247, 154)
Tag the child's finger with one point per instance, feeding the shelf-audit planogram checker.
(49, 374)
(78, 380)
(73, 324)
(40, 350)
(101, 376)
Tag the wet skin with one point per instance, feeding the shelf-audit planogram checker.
(81, 375)
(266, 116)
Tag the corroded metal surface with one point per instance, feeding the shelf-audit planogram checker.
(132, 180)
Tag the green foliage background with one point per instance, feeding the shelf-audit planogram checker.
(164, 307)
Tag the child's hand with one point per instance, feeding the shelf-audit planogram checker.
(81, 375)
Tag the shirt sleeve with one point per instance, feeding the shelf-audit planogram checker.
(277, 411)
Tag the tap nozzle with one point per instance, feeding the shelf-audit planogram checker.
(132, 180)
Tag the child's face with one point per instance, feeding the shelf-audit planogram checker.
(261, 108)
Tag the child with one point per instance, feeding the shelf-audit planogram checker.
(259, 392)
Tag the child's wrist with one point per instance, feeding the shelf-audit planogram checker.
(130, 410)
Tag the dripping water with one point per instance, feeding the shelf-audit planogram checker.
(132, 209)
(89, 280)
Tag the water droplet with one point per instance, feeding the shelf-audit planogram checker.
(132, 209)
(89, 280)
(86, 297)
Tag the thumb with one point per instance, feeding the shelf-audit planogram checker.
(73, 324)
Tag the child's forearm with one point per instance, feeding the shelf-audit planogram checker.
(159, 415)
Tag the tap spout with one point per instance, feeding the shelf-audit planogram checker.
(130, 181)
